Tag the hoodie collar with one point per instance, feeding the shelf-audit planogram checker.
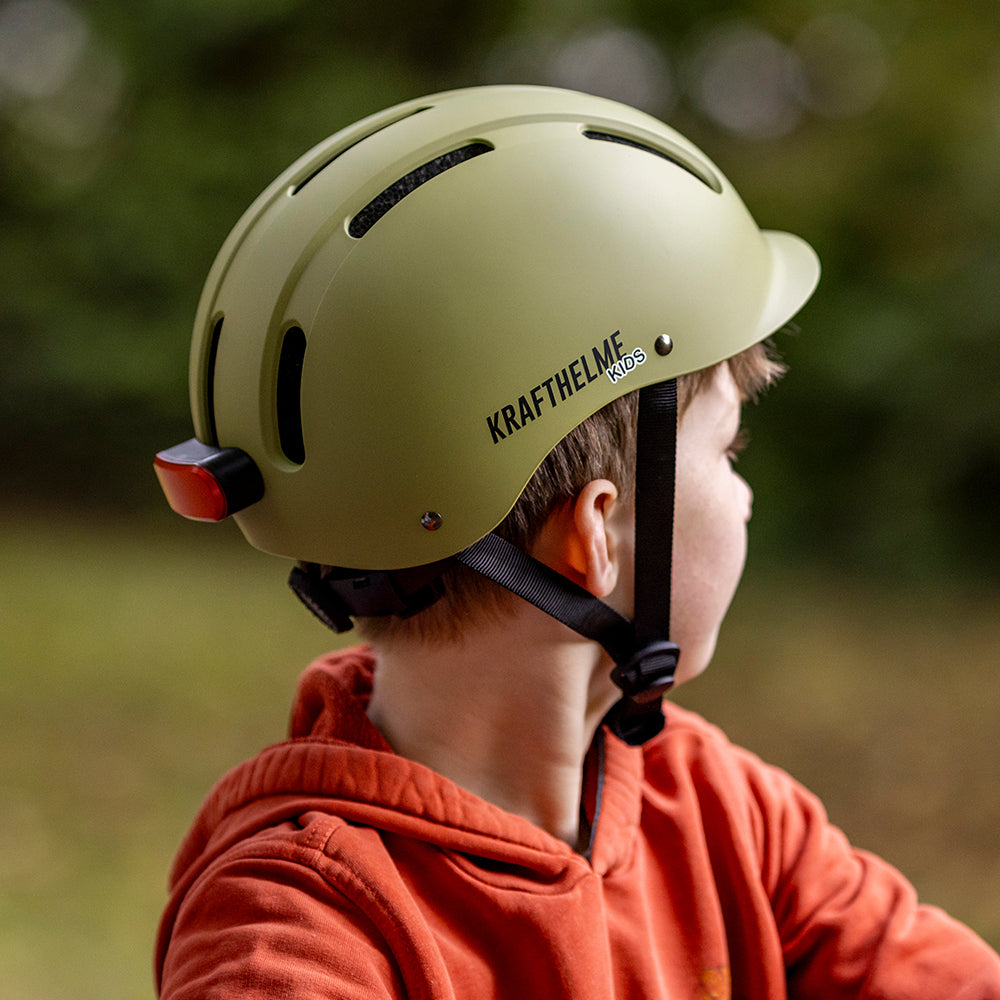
(337, 761)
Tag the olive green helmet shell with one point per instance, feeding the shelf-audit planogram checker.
(469, 324)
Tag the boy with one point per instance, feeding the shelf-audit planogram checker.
(443, 303)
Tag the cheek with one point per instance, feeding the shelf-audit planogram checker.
(727, 533)
(709, 552)
(710, 524)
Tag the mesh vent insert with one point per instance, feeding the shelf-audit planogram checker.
(395, 193)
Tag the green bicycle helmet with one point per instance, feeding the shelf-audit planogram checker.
(409, 319)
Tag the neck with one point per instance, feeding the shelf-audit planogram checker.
(508, 713)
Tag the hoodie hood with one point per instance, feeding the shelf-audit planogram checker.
(337, 762)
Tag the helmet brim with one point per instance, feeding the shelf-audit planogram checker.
(795, 274)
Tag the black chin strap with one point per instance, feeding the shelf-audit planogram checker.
(645, 658)
(639, 714)
(507, 565)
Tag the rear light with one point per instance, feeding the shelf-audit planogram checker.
(206, 483)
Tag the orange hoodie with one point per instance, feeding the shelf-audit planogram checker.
(328, 867)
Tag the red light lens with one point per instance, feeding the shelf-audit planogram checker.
(191, 490)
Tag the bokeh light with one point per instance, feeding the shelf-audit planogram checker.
(745, 80)
(601, 58)
(844, 65)
(60, 86)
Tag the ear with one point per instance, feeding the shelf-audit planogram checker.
(581, 540)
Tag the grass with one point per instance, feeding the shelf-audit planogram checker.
(139, 662)
(136, 670)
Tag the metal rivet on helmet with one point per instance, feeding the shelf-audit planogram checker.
(431, 520)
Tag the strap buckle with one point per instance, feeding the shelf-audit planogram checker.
(649, 673)
(644, 679)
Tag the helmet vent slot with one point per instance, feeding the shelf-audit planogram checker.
(677, 157)
(395, 193)
(288, 393)
(379, 126)
(213, 353)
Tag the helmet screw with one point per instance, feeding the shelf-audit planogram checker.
(431, 520)
(663, 345)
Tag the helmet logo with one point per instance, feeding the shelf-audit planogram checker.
(627, 364)
(608, 358)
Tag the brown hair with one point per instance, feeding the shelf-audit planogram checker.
(602, 447)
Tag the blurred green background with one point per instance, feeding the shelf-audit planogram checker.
(141, 656)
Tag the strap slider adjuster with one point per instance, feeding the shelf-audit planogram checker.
(649, 673)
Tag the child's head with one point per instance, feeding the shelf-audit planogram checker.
(446, 297)
(602, 447)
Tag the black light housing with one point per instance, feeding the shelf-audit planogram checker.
(205, 483)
